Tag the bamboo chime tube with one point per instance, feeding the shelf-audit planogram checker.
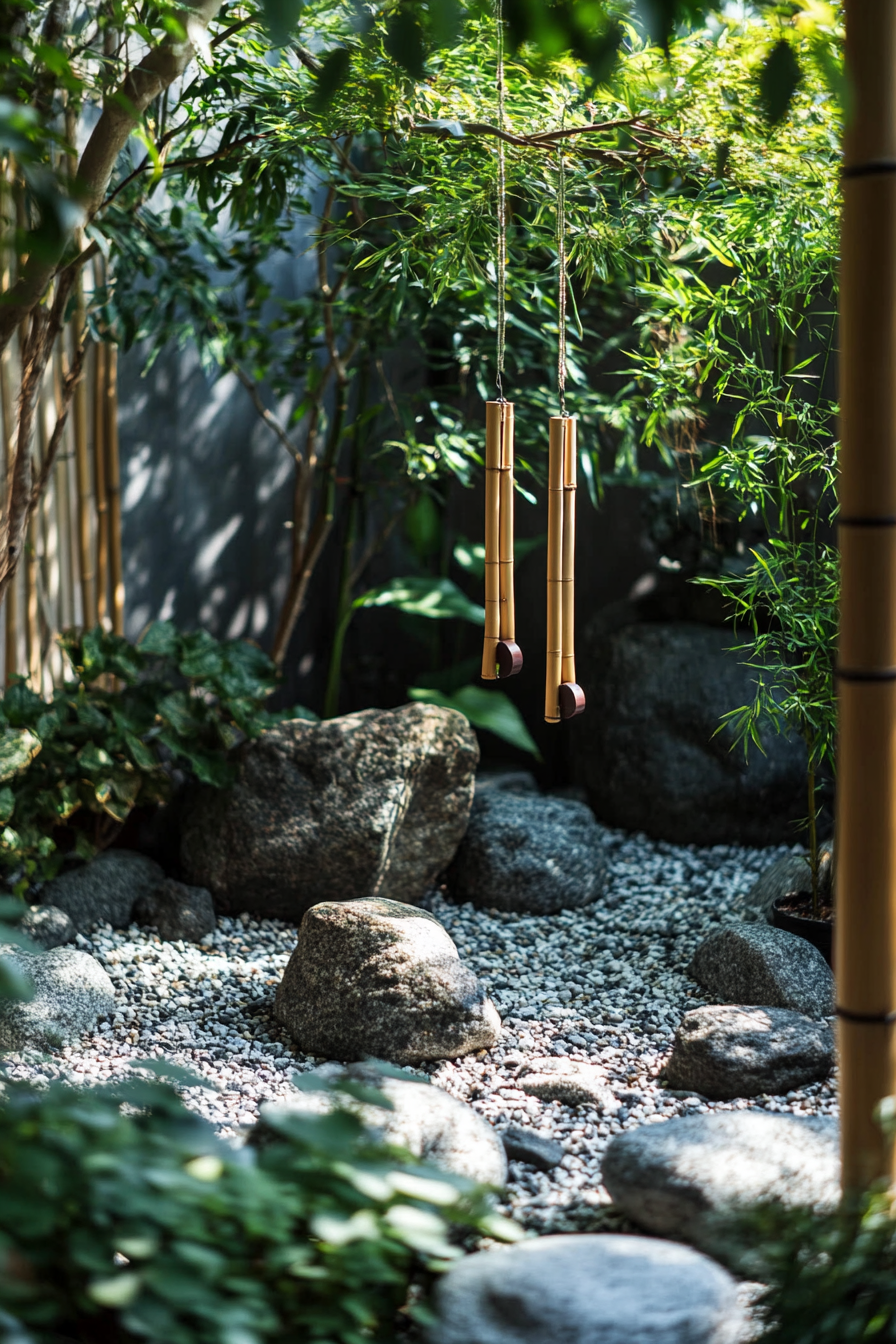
(563, 698)
(865, 928)
(500, 655)
(554, 658)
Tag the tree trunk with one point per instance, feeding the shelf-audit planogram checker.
(865, 948)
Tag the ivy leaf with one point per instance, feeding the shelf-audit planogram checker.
(161, 639)
(18, 749)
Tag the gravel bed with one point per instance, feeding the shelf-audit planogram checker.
(606, 985)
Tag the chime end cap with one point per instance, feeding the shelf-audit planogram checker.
(509, 657)
(572, 699)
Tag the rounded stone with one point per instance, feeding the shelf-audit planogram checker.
(725, 1051)
(380, 978)
(71, 991)
(587, 1289)
(529, 853)
(106, 889)
(757, 964)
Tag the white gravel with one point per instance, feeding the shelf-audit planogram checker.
(606, 984)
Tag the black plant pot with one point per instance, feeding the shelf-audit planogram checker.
(818, 932)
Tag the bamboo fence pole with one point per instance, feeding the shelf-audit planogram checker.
(554, 658)
(99, 482)
(865, 930)
(10, 615)
(82, 467)
(492, 541)
(113, 491)
(63, 504)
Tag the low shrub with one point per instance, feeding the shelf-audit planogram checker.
(124, 1218)
(115, 734)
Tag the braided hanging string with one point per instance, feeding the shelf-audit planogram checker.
(502, 202)
(561, 295)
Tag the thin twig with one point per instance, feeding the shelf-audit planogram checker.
(267, 416)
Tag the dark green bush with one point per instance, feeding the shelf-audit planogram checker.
(123, 1218)
(114, 734)
(831, 1277)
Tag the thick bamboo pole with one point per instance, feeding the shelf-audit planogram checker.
(113, 491)
(554, 652)
(492, 632)
(865, 946)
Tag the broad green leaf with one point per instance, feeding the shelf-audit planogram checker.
(18, 748)
(492, 711)
(437, 599)
(161, 639)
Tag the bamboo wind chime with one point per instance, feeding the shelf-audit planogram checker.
(501, 655)
(563, 697)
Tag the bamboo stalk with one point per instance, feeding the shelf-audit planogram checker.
(555, 572)
(865, 929)
(101, 503)
(568, 663)
(113, 491)
(63, 505)
(492, 541)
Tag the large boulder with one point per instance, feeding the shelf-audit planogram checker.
(725, 1051)
(649, 750)
(523, 852)
(380, 978)
(756, 964)
(684, 1178)
(104, 890)
(372, 804)
(426, 1121)
(71, 992)
(591, 1289)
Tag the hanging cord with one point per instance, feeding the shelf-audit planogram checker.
(561, 295)
(502, 200)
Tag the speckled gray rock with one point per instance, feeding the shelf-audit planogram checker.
(47, 925)
(429, 1123)
(649, 750)
(381, 978)
(177, 911)
(529, 853)
(567, 1080)
(724, 1051)
(683, 1177)
(791, 873)
(591, 1289)
(71, 991)
(523, 1145)
(105, 889)
(756, 964)
(506, 781)
(372, 804)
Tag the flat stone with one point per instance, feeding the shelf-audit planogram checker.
(506, 781)
(653, 752)
(380, 978)
(371, 804)
(430, 1124)
(756, 964)
(724, 1051)
(106, 889)
(177, 911)
(48, 926)
(683, 1177)
(567, 1080)
(71, 991)
(523, 1145)
(587, 1289)
(529, 853)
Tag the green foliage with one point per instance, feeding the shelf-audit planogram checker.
(114, 734)
(122, 1215)
(490, 710)
(831, 1277)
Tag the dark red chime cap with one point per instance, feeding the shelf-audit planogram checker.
(572, 699)
(509, 657)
